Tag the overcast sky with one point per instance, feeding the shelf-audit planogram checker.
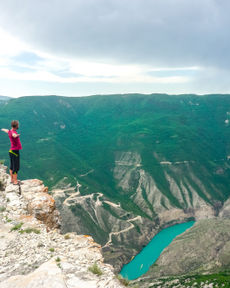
(85, 47)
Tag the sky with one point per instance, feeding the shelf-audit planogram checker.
(88, 47)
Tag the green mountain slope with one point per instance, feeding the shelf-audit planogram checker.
(156, 159)
(71, 136)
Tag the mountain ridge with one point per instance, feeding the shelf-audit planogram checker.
(159, 158)
(4, 98)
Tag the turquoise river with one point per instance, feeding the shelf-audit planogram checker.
(142, 261)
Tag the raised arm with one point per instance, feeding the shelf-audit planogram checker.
(5, 130)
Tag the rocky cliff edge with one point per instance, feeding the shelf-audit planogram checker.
(33, 252)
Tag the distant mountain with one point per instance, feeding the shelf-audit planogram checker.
(142, 162)
(4, 98)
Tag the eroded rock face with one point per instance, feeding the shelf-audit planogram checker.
(122, 233)
(225, 211)
(31, 257)
(182, 202)
(39, 203)
(95, 215)
(3, 177)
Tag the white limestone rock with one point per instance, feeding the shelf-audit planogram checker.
(31, 257)
(47, 275)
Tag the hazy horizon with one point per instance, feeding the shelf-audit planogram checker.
(114, 94)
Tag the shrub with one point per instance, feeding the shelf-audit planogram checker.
(67, 236)
(51, 249)
(95, 269)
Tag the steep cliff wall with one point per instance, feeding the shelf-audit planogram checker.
(33, 253)
(122, 233)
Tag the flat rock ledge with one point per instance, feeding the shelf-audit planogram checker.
(33, 253)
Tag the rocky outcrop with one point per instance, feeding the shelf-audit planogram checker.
(32, 255)
(38, 202)
(48, 274)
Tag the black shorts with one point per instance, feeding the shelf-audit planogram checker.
(14, 161)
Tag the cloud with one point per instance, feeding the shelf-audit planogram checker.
(173, 46)
(26, 63)
(160, 32)
(10, 46)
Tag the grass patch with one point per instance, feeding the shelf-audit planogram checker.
(8, 219)
(29, 230)
(196, 281)
(95, 269)
(16, 227)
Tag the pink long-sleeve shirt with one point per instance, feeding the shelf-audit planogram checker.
(15, 141)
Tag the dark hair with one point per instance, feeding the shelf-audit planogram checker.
(14, 124)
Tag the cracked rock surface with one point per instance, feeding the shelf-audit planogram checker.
(33, 253)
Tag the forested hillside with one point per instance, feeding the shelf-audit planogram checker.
(153, 159)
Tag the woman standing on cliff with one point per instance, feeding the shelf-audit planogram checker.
(14, 151)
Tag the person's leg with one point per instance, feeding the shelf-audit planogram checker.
(15, 178)
(18, 162)
(11, 167)
(15, 165)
